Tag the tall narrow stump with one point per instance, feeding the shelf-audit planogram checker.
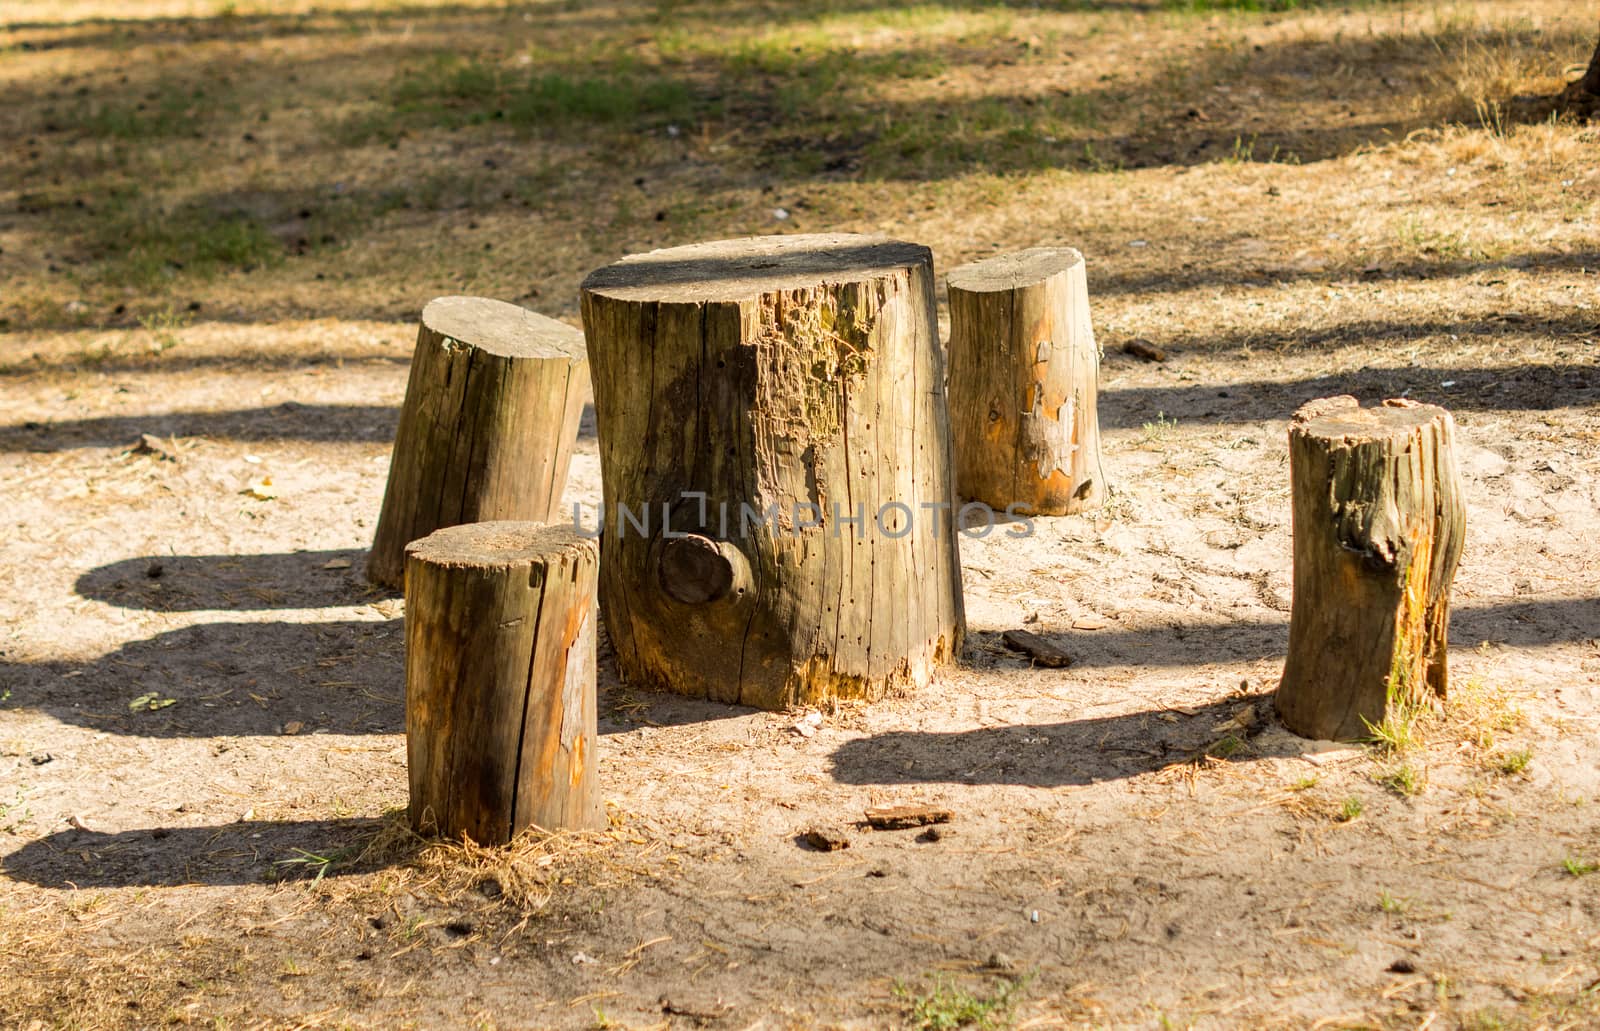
(1024, 383)
(1378, 527)
(779, 401)
(487, 428)
(500, 680)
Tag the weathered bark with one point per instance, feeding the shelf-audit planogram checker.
(1379, 520)
(796, 382)
(1024, 383)
(500, 680)
(487, 428)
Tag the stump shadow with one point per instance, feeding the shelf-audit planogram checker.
(237, 583)
(1085, 751)
(229, 680)
(1513, 623)
(244, 852)
(1079, 752)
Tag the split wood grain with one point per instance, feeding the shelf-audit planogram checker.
(487, 427)
(500, 680)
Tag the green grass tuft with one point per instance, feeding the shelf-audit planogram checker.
(947, 1006)
(1578, 866)
(1403, 780)
(1512, 763)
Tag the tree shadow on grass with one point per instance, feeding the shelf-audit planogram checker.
(245, 852)
(1246, 272)
(835, 110)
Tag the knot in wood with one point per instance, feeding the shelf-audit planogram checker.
(696, 570)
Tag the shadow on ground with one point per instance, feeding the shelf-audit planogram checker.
(370, 424)
(229, 680)
(313, 423)
(1517, 624)
(347, 677)
(1055, 754)
(1503, 388)
(246, 852)
(237, 583)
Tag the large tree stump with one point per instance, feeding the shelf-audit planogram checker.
(487, 428)
(1378, 526)
(1024, 383)
(796, 382)
(500, 680)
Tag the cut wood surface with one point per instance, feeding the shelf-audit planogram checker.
(486, 431)
(826, 838)
(1024, 383)
(1379, 520)
(779, 398)
(899, 817)
(500, 680)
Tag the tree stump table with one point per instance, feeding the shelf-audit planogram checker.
(775, 455)
(500, 680)
(486, 432)
(1024, 383)
(1379, 519)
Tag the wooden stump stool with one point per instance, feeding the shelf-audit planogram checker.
(1378, 526)
(500, 680)
(772, 409)
(1024, 383)
(486, 432)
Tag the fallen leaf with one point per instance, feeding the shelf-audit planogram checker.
(1331, 756)
(1244, 718)
(1090, 622)
(150, 444)
(293, 727)
(336, 563)
(261, 490)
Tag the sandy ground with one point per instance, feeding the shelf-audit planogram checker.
(1097, 852)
